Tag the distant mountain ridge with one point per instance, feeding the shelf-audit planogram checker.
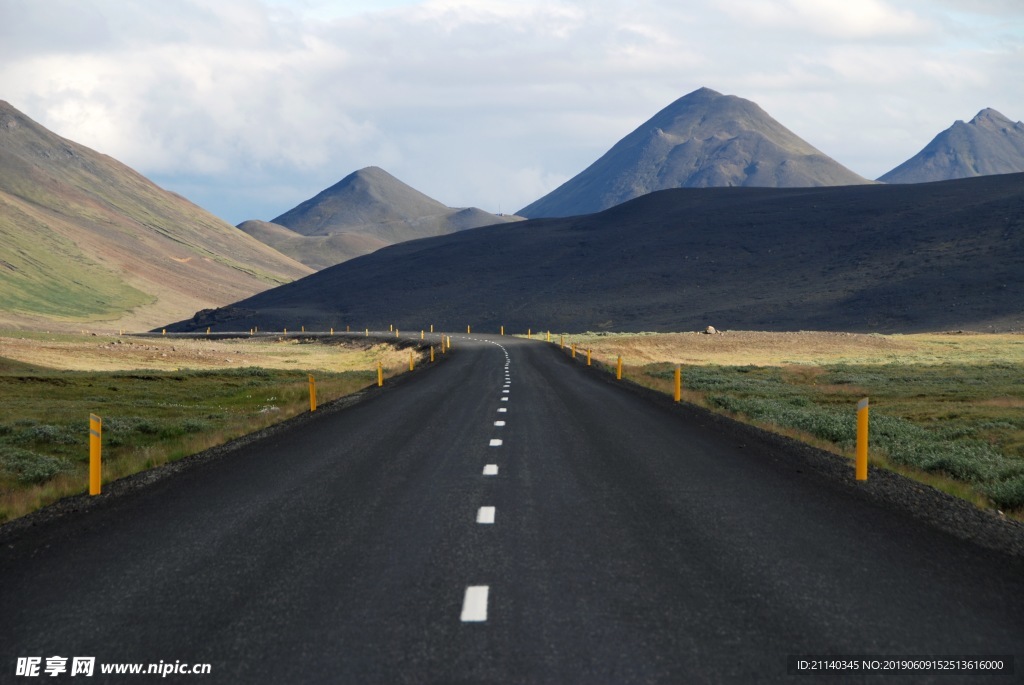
(365, 211)
(85, 240)
(990, 143)
(886, 258)
(704, 139)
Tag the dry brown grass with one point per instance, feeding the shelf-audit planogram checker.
(87, 352)
(741, 348)
(184, 380)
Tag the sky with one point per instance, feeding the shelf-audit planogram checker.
(249, 107)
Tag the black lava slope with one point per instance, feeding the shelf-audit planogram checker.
(884, 258)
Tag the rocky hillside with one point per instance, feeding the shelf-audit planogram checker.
(365, 211)
(702, 140)
(990, 143)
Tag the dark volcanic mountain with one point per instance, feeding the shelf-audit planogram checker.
(365, 211)
(85, 240)
(704, 139)
(918, 257)
(988, 144)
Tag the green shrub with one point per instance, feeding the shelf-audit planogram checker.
(1007, 494)
(57, 435)
(194, 425)
(30, 467)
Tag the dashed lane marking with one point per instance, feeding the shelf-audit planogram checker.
(499, 423)
(485, 515)
(474, 604)
(495, 442)
(491, 470)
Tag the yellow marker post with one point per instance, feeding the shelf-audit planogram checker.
(303, 329)
(618, 369)
(207, 330)
(431, 328)
(503, 330)
(431, 354)
(678, 394)
(529, 333)
(588, 356)
(164, 332)
(561, 342)
(467, 330)
(95, 454)
(396, 332)
(286, 331)
(862, 439)
(380, 374)
(348, 329)
(367, 332)
(449, 341)
(332, 330)
(422, 335)
(391, 326)
(410, 360)
(549, 336)
(312, 394)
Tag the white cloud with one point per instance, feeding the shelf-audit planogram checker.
(830, 18)
(251, 106)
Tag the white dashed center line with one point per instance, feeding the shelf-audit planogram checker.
(491, 470)
(495, 442)
(474, 604)
(485, 515)
(499, 423)
(503, 410)
(504, 399)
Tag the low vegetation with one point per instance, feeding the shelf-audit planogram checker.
(945, 408)
(153, 415)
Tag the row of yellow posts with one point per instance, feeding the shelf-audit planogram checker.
(861, 460)
(96, 422)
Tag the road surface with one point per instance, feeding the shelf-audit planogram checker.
(502, 517)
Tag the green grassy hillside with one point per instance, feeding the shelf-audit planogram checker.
(86, 239)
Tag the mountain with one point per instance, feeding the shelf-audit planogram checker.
(988, 144)
(315, 251)
(930, 256)
(365, 211)
(86, 240)
(704, 139)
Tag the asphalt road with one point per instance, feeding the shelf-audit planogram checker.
(629, 544)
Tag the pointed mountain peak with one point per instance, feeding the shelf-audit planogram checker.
(703, 139)
(990, 143)
(372, 179)
(368, 196)
(370, 173)
(702, 92)
(990, 118)
(362, 212)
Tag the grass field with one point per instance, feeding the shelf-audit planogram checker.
(947, 409)
(159, 399)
